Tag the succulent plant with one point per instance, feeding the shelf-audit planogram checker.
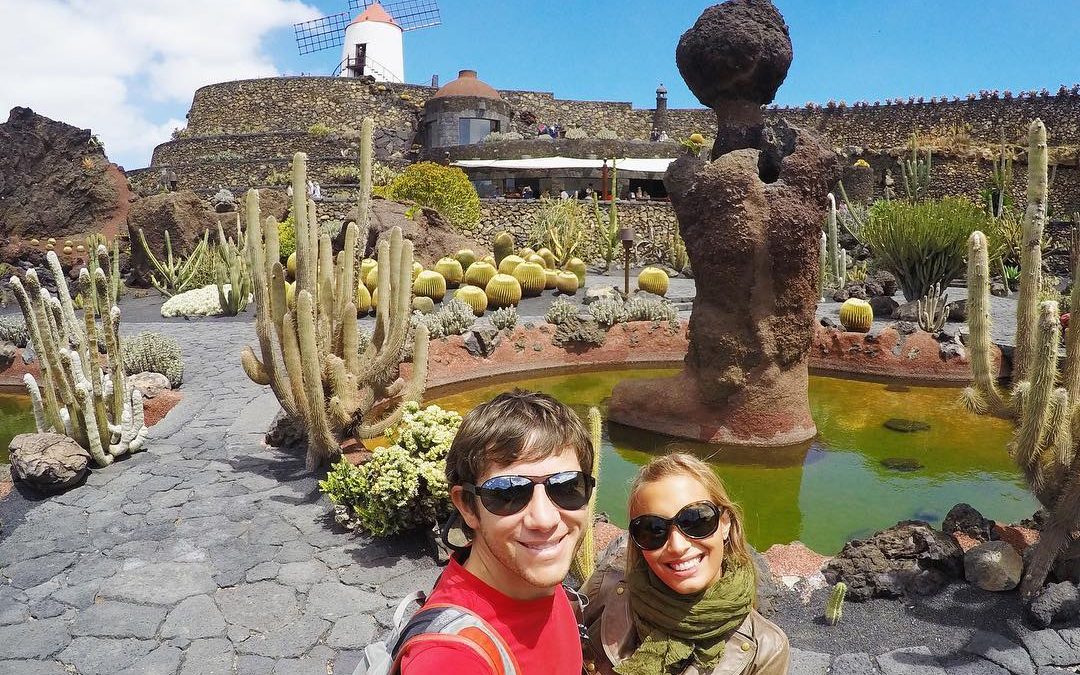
(651, 309)
(372, 278)
(653, 280)
(466, 257)
(548, 256)
(424, 305)
(13, 330)
(531, 277)
(490, 259)
(608, 311)
(551, 279)
(525, 252)
(503, 291)
(507, 264)
(577, 266)
(834, 606)
(430, 284)
(479, 273)
(561, 311)
(534, 258)
(366, 265)
(417, 268)
(474, 297)
(856, 315)
(451, 270)
(566, 282)
(363, 300)
(154, 353)
(502, 246)
(504, 318)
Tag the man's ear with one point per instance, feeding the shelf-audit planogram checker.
(463, 504)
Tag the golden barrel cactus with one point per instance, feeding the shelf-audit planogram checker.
(566, 282)
(479, 273)
(363, 299)
(366, 265)
(507, 264)
(417, 268)
(430, 284)
(466, 257)
(577, 266)
(502, 246)
(534, 258)
(503, 291)
(653, 280)
(531, 277)
(525, 252)
(549, 258)
(451, 270)
(856, 315)
(474, 297)
(551, 278)
(372, 278)
(290, 265)
(290, 296)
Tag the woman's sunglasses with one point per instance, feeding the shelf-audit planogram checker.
(697, 521)
(506, 495)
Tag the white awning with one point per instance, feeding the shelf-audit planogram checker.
(629, 164)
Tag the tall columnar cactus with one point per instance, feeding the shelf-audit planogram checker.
(363, 211)
(834, 606)
(175, 275)
(915, 172)
(608, 234)
(74, 396)
(99, 259)
(837, 266)
(1047, 416)
(309, 355)
(232, 268)
(823, 264)
(584, 563)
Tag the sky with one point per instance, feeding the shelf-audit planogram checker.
(128, 69)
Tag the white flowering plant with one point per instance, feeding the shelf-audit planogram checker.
(403, 486)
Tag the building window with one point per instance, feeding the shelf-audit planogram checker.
(475, 129)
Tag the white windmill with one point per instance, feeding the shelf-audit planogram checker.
(371, 43)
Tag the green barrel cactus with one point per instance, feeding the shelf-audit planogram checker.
(417, 268)
(856, 315)
(525, 252)
(551, 278)
(503, 291)
(566, 282)
(423, 304)
(577, 266)
(507, 264)
(479, 273)
(371, 280)
(363, 300)
(466, 257)
(502, 246)
(474, 297)
(549, 258)
(653, 280)
(451, 270)
(430, 284)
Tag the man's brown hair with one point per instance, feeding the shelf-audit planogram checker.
(515, 426)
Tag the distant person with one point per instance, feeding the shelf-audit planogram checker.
(527, 192)
(663, 137)
(564, 195)
(654, 135)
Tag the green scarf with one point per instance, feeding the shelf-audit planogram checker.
(675, 627)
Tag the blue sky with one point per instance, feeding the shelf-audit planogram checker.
(127, 70)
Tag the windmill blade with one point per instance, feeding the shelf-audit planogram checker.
(409, 14)
(323, 33)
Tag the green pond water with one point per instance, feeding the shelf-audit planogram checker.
(839, 486)
(15, 418)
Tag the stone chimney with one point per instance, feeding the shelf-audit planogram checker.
(659, 122)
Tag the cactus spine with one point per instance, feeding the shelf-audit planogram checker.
(72, 398)
(310, 357)
(834, 606)
(584, 562)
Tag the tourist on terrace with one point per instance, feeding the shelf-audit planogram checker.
(685, 601)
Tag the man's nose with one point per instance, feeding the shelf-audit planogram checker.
(541, 513)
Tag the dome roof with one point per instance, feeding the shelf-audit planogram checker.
(466, 84)
(374, 13)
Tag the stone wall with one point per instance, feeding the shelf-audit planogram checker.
(546, 146)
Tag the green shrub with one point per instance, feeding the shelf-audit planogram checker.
(402, 486)
(319, 129)
(279, 178)
(345, 173)
(154, 353)
(286, 230)
(443, 188)
(923, 243)
(382, 175)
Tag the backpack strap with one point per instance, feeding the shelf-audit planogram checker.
(449, 624)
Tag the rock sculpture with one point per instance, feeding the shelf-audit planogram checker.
(750, 216)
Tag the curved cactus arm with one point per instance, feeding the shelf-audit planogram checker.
(1030, 439)
(412, 391)
(985, 395)
(138, 422)
(84, 397)
(72, 328)
(254, 368)
(51, 405)
(321, 443)
(40, 423)
(1057, 533)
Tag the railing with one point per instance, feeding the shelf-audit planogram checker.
(371, 67)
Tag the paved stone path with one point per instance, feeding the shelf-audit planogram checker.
(210, 553)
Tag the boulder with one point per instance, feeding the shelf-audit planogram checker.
(993, 566)
(964, 518)
(183, 214)
(1055, 603)
(884, 306)
(50, 462)
(150, 384)
(224, 201)
(886, 281)
(274, 202)
(958, 311)
(432, 235)
(595, 293)
(909, 311)
(285, 432)
(910, 557)
(8, 354)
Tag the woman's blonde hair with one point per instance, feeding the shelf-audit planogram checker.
(682, 464)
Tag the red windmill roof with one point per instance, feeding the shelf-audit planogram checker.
(375, 13)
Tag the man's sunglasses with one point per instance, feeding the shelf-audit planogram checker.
(506, 495)
(697, 521)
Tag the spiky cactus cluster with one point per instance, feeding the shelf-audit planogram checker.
(75, 397)
(561, 311)
(834, 606)
(13, 330)
(584, 562)
(505, 318)
(310, 353)
(155, 353)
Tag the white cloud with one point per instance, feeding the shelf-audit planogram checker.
(127, 69)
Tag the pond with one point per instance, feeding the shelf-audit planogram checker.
(855, 478)
(15, 418)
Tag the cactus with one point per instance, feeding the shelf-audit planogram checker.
(174, 275)
(653, 280)
(608, 311)
(424, 305)
(551, 280)
(479, 274)
(584, 562)
(474, 297)
(363, 300)
(561, 311)
(103, 415)
(451, 270)
(290, 266)
(856, 315)
(110, 266)
(502, 246)
(640, 309)
(915, 173)
(507, 264)
(538, 259)
(834, 606)
(372, 278)
(310, 357)
(503, 291)
(466, 257)
(14, 330)
(548, 256)
(417, 268)
(366, 265)
(430, 284)
(823, 264)
(933, 309)
(363, 206)
(155, 353)
(525, 252)
(531, 277)
(577, 266)
(504, 318)
(607, 234)
(566, 282)
(231, 267)
(837, 256)
(490, 259)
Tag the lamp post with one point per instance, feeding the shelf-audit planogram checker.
(626, 236)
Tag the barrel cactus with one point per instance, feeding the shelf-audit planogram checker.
(451, 270)
(430, 284)
(474, 297)
(551, 278)
(366, 265)
(549, 258)
(417, 268)
(290, 265)
(566, 282)
(423, 304)
(290, 295)
(856, 315)
(479, 273)
(653, 280)
(502, 246)
(503, 291)
(466, 257)
(363, 300)
(531, 277)
(539, 260)
(577, 266)
(490, 259)
(525, 252)
(372, 278)
(507, 264)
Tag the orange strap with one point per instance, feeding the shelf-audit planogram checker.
(482, 639)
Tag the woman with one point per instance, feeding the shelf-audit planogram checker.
(685, 603)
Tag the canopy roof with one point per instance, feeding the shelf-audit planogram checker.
(651, 165)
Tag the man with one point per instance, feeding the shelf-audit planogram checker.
(515, 477)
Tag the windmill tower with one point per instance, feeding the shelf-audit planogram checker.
(371, 43)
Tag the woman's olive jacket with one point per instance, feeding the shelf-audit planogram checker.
(756, 647)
